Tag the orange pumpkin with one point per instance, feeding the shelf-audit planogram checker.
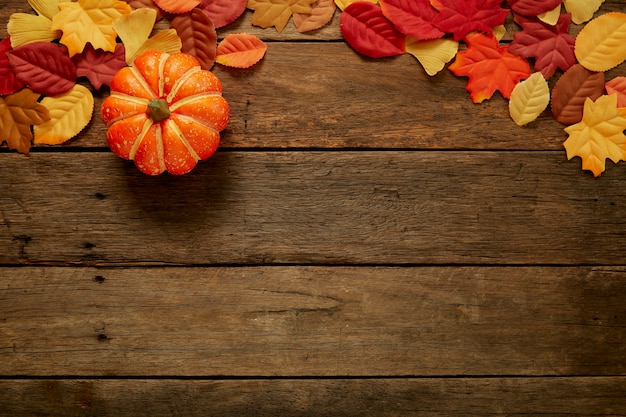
(165, 113)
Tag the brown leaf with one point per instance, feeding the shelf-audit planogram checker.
(571, 90)
(197, 34)
(322, 12)
(18, 112)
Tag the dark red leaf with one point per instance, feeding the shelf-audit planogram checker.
(368, 31)
(99, 66)
(412, 17)
(9, 84)
(44, 67)
(533, 7)
(571, 90)
(223, 12)
(198, 36)
(463, 17)
(551, 46)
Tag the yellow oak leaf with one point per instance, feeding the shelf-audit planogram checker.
(89, 21)
(599, 135)
(342, 4)
(582, 10)
(529, 99)
(134, 30)
(601, 44)
(69, 114)
(432, 54)
(18, 112)
(551, 17)
(277, 12)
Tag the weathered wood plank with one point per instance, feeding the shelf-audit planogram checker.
(569, 397)
(312, 321)
(313, 207)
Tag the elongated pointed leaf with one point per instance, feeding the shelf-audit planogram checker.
(197, 34)
(240, 50)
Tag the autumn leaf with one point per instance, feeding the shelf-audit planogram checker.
(551, 17)
(44, 67)
(533, 7)
(551, 46)
(9, 83)
(322, 12)
(571, 90)
(601, 44)
(342, 4)
(617, 86)
(177, 6)
(69, 114)
(433, 54)
(89, 21)
(18, 112)
(600, 134)
(582, 10)
(240, 50)
(490, 67)
(99, 66)
(277, 12)
(369, 32)
(223, 12)
(463, 17)
(140, 4)
(529, 99)
(412, 17)
(198, 36)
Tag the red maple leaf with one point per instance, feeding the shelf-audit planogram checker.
(463, 17)
(490, 67)
(99, 66)
(551, 46)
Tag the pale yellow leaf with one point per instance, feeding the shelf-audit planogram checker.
(89, 21)
(166, 41)
(432, 54)
(69, 114)
(342, 4)
(134, 29)
(601, 44)
(600, 134)
(529, 99)
(582, 10)
(47, 8)
(25, 28)
(551, 17)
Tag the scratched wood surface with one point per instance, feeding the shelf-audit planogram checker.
(366, 241)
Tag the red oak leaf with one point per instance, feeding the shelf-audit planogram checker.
(489, 67)
(44, 67)
(533, 7)
(9, 84)
(99, 66)
(223, 12)
(368, 31)
(551, 46)
(463, 17)
(412, 17)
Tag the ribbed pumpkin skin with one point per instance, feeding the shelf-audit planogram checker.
(189, 129)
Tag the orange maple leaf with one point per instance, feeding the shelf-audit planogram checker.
(277, 12)
(600, 134)
(490, 67)
(18, 111)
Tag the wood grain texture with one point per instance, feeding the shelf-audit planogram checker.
(312, 321)
(571, 397)
(312, 207)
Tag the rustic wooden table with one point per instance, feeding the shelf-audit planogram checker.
(365, 242)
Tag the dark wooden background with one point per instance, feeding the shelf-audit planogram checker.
(367, 241)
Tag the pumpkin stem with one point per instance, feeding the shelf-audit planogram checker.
(158, 109)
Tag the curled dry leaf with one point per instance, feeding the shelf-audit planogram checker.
(44, 67)
(18, 112)
(529, 99)
(322, 12)
(571, 90)
(601, 44)
(9, 83)
(600, 134)
(433, 54)
(240, 50)
(617, 86)
(69, 114)
(198, 36)
(223, 12)
(368, 31)
(582, 10)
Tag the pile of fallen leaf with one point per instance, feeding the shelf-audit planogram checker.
(46, 52)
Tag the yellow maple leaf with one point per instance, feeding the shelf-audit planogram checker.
(600, 134)
(134, 30)
(277, 12)
(89, 21)
(582, 10)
